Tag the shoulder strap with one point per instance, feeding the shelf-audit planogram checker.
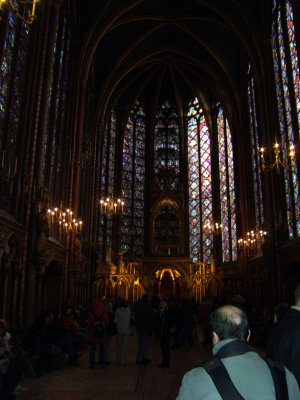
(220, 377)
(279, 378)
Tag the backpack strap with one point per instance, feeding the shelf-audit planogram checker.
(279, 378)
(220, 377)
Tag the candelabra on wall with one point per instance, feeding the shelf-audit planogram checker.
(252, 240)
(278, 162)
(8, 168)
(15, 9)
(213, 227)
(62, 221)
(111, 205)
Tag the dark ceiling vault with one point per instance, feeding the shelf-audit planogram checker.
(168, 48)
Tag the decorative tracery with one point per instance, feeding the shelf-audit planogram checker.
(166, 146)
(133, 185)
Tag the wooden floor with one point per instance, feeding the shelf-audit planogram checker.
(116, 382)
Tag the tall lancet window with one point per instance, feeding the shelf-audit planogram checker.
(166, 147)
(227, 189)
(287, 75)
(107, 184)
(133, 185)
(57, 104)
(199, 184)
(13, 51)
(257, 184)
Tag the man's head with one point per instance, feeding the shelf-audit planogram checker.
(229, 322)
(297, 295)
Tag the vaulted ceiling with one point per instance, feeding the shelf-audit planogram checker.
(169, 48)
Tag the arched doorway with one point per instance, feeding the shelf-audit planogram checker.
(10, 281)
(166, 286)
(168, 283)
(52, 287)
(122, 289)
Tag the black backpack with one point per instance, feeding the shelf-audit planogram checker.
(219, 375)
(99, 328)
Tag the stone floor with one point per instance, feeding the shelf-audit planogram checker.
(116, 382)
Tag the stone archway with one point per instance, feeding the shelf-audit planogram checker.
(166, 285)
(10, 280)
(168, 282)
(53, 287)
(122, 289)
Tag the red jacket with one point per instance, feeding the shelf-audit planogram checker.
(97, 308)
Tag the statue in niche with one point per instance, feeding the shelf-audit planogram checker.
(122, 267)
(77, 250)
(42, 231)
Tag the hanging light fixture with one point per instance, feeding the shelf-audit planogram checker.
(278, 163)
(13, 6)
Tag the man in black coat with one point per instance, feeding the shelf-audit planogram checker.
(283, 343)
(144, 317)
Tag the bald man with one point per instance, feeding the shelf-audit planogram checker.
(248, 374)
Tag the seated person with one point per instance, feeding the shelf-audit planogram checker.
(71, 336)
(11, 369)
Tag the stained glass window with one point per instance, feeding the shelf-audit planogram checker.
(227, 189)
(286, 67)
(200, 184)
(133, 185)
(257, 184)
(107, 184)
(12, 76)
(166, 146)
(57, 104)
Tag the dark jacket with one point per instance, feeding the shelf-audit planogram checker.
(144, 317)
(283, 343)
(163, 325)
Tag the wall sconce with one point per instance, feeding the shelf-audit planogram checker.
(252, 239)
(110, 205)
(64, 220)
(213, 227)
(8, 170)
(15, 10)
(278, 161)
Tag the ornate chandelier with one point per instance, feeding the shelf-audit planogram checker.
(13, 6)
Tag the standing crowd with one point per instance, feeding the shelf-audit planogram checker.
(236, 370)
